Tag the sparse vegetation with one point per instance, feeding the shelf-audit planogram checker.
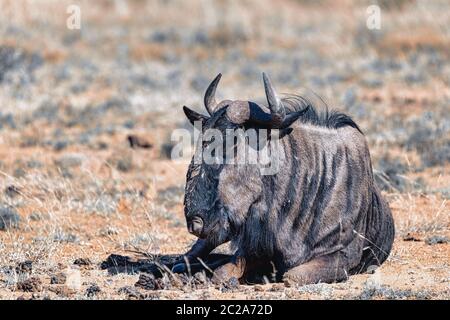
(75, 188)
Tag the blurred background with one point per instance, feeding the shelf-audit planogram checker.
(86, 113)
(133, 64)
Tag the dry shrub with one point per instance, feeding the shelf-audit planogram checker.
(148, 51)
(408, 40)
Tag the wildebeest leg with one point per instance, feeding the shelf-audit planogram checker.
(213, 261)
(328, 269)
(233, 269)
(201, 249)
(241, 269)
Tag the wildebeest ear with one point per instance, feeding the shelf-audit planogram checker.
(193, 116)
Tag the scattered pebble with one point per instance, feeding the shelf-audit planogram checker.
(62, 290)
(131, 292)
(230, 285)
(82, 262)
(93, 290)
(59, 278)
(411, 237)
(146, 281)
(24, 267)
(138, 142)
(12, 191)
(32, 284)
(437, 240)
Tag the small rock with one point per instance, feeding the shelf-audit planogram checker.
(146, 281)
(277, 287)
(93, 290)
(62, 290)
(82, 262)
(100, 145)
(32, 284)
(138, 142)
(233, 283)
(124, 165)
(60, 145)
(9, 219)
(59, 278)
(230, 285)
(259, 288)
(24, 267)
(12, 191)
(437, 240)
(149, 282)
(131, 293)
(411, 237)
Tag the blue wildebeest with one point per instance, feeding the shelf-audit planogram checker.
(320, 218)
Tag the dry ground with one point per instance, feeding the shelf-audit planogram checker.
(72, 187)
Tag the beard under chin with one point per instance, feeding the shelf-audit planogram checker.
(218, 234)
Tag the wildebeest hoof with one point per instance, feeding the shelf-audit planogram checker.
(294, 279)
(290, 282)
(220, 276)
(179, 268)
(226, 272)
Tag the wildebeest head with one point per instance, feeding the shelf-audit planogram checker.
(219, 194)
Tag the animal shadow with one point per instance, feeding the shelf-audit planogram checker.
(158, 264)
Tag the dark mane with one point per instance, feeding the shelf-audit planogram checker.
(329, 119)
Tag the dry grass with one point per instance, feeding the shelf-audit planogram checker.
(81, 192)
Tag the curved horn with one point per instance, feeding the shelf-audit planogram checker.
(210, 95)
(276, 107)
(266, 120)
(277, 118)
